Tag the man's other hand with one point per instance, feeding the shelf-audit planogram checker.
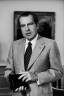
(28, 76)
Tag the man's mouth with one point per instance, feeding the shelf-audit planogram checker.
(28, 34)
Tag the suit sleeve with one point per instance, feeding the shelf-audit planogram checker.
(55, 72)
(9, 66)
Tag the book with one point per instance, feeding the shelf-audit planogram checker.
(16, 83)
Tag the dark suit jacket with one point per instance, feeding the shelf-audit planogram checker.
(45, 61)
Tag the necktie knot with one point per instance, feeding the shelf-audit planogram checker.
(29, 44)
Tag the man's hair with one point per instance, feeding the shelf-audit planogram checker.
(27, 13)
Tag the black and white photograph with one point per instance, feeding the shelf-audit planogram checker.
(31, 47)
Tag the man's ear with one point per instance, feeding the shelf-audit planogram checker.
(37, 26)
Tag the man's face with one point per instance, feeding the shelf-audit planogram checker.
(28, 27)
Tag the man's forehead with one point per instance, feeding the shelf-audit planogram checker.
(26, 19)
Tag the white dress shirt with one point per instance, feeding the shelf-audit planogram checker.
(33, 42)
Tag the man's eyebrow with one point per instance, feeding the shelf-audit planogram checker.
(30, 23)
(27, 24)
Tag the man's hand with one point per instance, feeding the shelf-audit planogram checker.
(28, 76)
(21, 88)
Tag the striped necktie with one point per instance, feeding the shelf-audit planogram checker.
(27, 55)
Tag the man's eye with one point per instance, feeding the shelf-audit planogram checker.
(31, 23)
(22, 25)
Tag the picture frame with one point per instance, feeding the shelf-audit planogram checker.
(46, 22)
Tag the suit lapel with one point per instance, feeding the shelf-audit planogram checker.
(36, 52)
(21, 52)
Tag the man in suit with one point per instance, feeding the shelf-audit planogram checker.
(44, 65)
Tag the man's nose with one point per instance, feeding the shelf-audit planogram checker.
(27, 27)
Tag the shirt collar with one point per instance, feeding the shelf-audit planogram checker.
(33, 42)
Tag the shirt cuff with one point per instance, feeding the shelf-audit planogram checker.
(38, 83)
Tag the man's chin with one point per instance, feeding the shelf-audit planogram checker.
(29, 38)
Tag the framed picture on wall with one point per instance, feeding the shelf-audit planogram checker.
(46, 22)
